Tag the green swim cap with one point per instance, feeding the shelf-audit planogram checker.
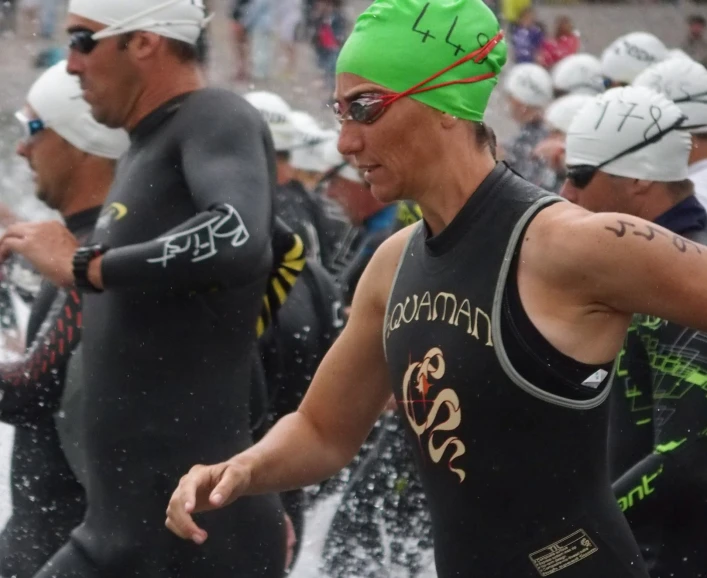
(400, 43)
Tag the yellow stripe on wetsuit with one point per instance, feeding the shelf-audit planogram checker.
(289, 263)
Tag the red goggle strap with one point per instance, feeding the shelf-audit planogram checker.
(477, 56)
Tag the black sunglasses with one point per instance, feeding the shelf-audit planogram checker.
(81, 40)
(580, 176)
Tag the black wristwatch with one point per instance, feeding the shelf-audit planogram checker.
(82, 258)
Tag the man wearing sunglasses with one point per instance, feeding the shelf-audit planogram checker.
(73, 161)
(684, 81)
(173, 282)
(659, 380)
(496, 322)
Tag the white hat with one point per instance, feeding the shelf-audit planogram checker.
(307, 129)
(57, 99)
(683, 81)
(678, 53)
(624, 118)
(578, 74)
(179, 19)
(277, 114)
(530, 84)
(627, 56)
(333, 158)
(559, 115)
(309, 153)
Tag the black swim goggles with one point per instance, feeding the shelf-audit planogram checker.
(82, 40)
(580, 176)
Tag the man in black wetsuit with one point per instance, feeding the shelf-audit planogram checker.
(662, 371)
(495, 322)
(173, 282)
(73, 158)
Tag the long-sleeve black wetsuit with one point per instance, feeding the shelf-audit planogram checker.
(47, 501)
(167, 348)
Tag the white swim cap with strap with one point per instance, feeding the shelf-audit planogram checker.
(578, 74)
(683, 81)
(559, 115)
(529, 84)
(277, 114)
(307, 152)
(333, 157)
(629, 55)
(178, 19)
(630, 132)
(57, 100)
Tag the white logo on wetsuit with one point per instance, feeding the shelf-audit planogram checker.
(201, 240)
(596, 379)
(416, 386)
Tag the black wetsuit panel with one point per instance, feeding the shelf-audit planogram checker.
(515, 472)
(167, 347)
(664, 492)
(47, 501)
(292, 349)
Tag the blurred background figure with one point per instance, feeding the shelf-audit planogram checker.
(48, 17)
(512, 10)
(563, 44)
(527, 37)
(8, 16)
(259, 24)
(27, 23)
(695, 44)
(558, 118)
(241, 41)
(330, 31)
(289, 15)
(629, 55)
(528, 90)
(578, 74)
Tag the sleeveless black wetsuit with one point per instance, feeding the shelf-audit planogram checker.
(167, 348)
(664, 491)
(509, 435)
(47, 501)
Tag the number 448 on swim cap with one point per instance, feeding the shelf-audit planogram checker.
(400, 43)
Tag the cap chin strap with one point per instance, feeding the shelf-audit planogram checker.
(137, 21)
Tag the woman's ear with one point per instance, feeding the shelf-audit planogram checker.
(449, 121)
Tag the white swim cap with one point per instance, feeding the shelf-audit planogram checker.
(307, 153)
(277, 114)
(57, 99)
(630, 119)
(307, 129)
(578, 74)
(333, 158)
(529, 84)
(683, 81)
(629, 55)
(559, 115)
(179, 19)
(678, 53)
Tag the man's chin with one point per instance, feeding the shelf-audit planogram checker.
(101, 117)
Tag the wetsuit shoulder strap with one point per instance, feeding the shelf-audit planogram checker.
(496, 321)
(417, 229)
